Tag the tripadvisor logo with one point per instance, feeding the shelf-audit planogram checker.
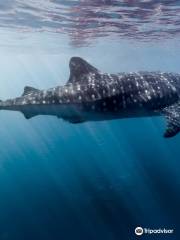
(140, 231)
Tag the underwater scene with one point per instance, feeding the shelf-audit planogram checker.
(88, 180)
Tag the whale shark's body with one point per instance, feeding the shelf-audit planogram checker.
(90, 95)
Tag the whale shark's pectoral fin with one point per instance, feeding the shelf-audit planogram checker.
(28, 115)
(172, 115)
(74, 120)
(78, 68)
(29, 89)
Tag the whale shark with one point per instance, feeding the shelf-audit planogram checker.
(92, 95)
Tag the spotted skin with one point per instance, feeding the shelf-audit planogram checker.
(90, 95)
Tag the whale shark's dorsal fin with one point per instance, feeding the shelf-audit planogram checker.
(172, 114)
(79, 67)
(29, 89)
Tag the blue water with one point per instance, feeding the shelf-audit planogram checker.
(93, 180)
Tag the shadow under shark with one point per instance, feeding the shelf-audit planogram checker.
(90, 95)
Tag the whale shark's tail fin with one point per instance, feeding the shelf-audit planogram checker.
(79, 67)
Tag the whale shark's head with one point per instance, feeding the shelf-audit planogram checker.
(78, 68)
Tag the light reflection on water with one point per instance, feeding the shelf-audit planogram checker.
(84, 21)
